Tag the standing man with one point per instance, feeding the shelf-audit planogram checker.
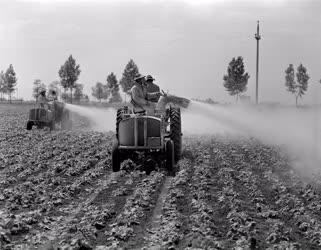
(42, 99)
(151, 86)
(140, 98)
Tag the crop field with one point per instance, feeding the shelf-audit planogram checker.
(57, 191)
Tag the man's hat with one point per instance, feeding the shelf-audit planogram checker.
(149, 78)
(138, 77)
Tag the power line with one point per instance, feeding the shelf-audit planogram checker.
(257, 37)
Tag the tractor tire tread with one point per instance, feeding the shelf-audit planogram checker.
(118, 119)
(175, 132)
(116, 158)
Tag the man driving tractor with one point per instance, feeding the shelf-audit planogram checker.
(42, 99)
(141, 98)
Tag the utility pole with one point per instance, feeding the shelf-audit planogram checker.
(257, 37)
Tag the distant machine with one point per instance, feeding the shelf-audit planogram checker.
(42, 117)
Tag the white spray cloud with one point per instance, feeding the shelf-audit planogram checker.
(296, 129)
(101, 119)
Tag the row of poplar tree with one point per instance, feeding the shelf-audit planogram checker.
(69, 73)
(235, 81)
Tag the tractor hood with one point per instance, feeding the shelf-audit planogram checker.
(142, 131)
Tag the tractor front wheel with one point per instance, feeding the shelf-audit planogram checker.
(69, 124)
(29, 125)
(52, 125)
(40, 125)
(169, 151)
(66, 124)
(116, 160)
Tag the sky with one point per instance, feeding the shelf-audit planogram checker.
(186, 45)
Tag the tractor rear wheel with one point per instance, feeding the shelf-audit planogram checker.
(176, 131)
(115, 157)
(118, 119)
(29, 125)
(170, 151)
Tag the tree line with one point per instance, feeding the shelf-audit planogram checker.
(235, 82)
(236, 79)
(69, 73)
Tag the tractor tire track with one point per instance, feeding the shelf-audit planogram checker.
(60, 229)
(128, 227)
(169, 215)
(157, 211)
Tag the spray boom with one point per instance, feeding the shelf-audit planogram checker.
(176, 100)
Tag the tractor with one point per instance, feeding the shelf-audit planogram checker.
(55, 114)
(156, 135)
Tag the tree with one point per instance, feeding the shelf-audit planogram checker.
(127, 81)
(10, 80)
(78, 92)
(69, 73)
(37, 87)
(290, 79)
(236, 79)
(2, 85)
(210, 101)
(65, 97)
(113, 88)
(99, 91)
(300, 86)
(302, 79)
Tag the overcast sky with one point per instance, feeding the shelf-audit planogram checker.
(185, 45)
